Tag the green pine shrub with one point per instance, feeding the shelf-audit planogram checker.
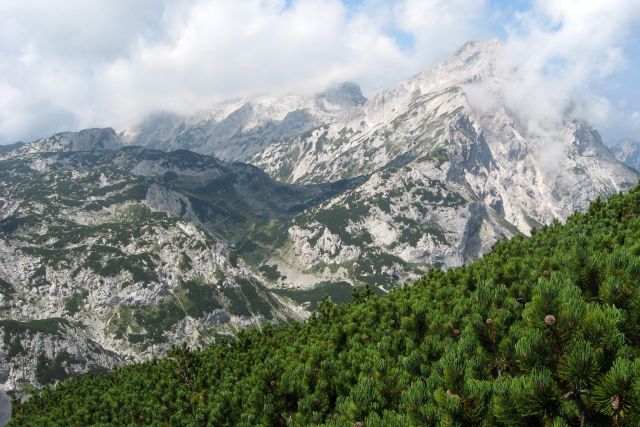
(542, 331)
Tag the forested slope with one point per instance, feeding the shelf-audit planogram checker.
(541, 331)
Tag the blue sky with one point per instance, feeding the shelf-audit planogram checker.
(621, 87)
(74, 64)
(500, 15)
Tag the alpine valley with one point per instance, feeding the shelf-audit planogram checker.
(115, 246)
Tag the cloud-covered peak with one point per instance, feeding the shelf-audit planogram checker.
(111, 63)
(473, 50)
(344, 94)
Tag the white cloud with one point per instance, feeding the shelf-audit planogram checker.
(558, 53)
(79, 29)
(76, 63)
(439, 26)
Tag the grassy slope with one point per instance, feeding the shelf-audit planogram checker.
(471, 346)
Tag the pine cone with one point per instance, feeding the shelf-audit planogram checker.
(615, 402)
(456, 331)
(550, 319)
(489, 321)
(359, 424)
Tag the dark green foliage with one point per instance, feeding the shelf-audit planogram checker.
(270, 272)
(157, 319)
(199, 298)
(48, 371)
(73, 304)
(233, 259)
(339, 292)
(373, 266)
(249, 298)
(14, 331)
(185, 262)
(45, 326)
(541, 331)
(6, 289)
(109, 261)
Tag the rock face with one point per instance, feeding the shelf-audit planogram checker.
(104, 260)
(84, 140)
(628, 151)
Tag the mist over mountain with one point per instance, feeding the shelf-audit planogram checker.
(237, 129)
(628, 151)
(124, 62)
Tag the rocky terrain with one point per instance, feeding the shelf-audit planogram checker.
(112, 252)
(237, 129)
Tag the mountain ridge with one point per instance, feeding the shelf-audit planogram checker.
(235, 130)
(133, 249)
(505, 176)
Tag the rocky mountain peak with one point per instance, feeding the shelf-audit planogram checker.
(96, 139)
(346, 94)
(474, 51)
(473, 62)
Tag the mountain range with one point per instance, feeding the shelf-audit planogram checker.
(444, 181)
(114, 246)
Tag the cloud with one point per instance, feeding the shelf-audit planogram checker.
(79, 29)
(229, 49)
(78, 64)
(438, 26)
(74, 64)
(556, 54)
(50, 54)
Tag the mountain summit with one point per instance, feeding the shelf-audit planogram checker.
(84, 140)
(340, 96)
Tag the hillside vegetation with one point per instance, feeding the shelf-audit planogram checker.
(541, 331)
